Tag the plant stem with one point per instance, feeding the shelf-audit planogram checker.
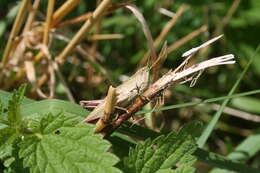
(15, 29)
(84, 29)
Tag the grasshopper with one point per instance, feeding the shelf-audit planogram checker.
(126, 93)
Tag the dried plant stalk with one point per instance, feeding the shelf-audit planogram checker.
(31, 16)
(164, 32)
(15, 29)
(77, 19)
(105, 36)
(84, 29)
(146, 31)
(48, 22)
(227, 18)
(64, 10)
(57, 16)
(187, 38)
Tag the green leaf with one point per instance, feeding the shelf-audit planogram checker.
(60, 146)
(6, 96)
(32, 109)
(165, 152)
(7, 138)
(53, 106)
(247, 104)
(14, 115)
(213, 159)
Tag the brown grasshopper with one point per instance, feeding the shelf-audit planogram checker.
(126, 93)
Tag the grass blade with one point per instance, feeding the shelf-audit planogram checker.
(206, 133)
(211, 100)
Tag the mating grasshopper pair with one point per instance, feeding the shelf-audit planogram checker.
(125, 94)
(137, 85)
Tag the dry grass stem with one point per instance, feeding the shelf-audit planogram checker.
(105, 36)
(227, 18)
(164, 32)
(48, 22)
(193, 50)
(166, 12)
(89, 57)
(146, 30)
(64, 10)
(63, 82)
(187, 38)
(15, 29)
(84, 30)
(233, 112)
(75, 20)
(88, 15)
(238, 113)
(57, 16)
(30, 72)
(169, 25)
(31, 16)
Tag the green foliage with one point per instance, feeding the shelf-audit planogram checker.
(14, 116)
(10, 133)
(202, 155)
(63, 146)
(165, 152)
(7, 138)
(51, 142)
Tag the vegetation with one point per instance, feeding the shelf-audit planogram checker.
(68, 51)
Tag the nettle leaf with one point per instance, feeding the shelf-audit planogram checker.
(10, 128)
(166, 152)
(1, 112)
(7, 138)
(61, 146)
(14, 115)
